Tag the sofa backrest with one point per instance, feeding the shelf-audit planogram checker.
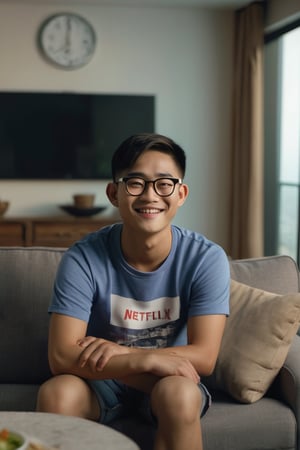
(278, 274)
(26, 282)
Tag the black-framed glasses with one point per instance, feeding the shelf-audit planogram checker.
(164, 187)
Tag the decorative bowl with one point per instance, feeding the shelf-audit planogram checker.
(3, 207)
(84, 200)
(82, 212)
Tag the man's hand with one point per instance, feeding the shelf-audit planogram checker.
(163, 365)
(97, 352)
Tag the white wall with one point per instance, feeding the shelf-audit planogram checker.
(182, 56)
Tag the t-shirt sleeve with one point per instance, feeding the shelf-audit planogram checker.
(74, 287)
(211, 284)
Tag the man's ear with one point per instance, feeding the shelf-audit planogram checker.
(183, 193)
(112, 193)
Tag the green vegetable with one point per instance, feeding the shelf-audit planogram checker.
(10, 440)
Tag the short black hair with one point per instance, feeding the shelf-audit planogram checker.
(130, 149)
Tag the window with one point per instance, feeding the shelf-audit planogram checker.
(282, 144)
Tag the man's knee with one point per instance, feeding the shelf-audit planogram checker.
(67, 395)
(176, 398)
(53, 394)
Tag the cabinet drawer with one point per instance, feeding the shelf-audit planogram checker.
(12, 233)
(61, 234)
(48, 232)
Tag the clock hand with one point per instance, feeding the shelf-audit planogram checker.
(68, 35)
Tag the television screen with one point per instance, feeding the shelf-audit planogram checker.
(67, 135)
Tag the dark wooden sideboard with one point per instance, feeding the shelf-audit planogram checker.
(48, 231)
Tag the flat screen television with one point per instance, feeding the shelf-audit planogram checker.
(45, 135)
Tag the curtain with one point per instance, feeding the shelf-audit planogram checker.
(246, 191)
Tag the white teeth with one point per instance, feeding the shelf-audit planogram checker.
(149, 211)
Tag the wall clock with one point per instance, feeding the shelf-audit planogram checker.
(67, 40)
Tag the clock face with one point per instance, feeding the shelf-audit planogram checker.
(67, 40)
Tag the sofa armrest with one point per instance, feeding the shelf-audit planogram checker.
(289, 381)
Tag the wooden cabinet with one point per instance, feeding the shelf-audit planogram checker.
(13, 233)
(48, 231)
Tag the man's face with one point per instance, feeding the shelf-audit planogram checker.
(149, 212)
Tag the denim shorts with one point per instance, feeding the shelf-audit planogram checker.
(117, 400)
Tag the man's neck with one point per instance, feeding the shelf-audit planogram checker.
(146, 253)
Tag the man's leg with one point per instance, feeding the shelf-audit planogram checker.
(176, 402)
(68, 395)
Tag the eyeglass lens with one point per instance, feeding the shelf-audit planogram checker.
(162, 186)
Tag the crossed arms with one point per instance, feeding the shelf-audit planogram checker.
(94, 358)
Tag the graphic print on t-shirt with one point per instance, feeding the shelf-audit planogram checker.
(145, 323)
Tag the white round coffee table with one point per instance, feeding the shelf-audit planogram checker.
(64, 432)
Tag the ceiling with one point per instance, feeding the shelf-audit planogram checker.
(224, 4)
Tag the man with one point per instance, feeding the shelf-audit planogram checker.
(139, 308)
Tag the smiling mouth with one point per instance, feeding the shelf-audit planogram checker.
(148, 210)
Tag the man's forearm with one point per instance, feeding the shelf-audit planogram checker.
(118, 367)
(139, 368)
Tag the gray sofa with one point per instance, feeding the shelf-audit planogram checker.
(26, 278)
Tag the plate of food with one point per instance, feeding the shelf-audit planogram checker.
(12, 440)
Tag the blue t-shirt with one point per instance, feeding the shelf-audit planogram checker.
(94, 283)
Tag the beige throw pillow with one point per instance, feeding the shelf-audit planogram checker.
(256, 340)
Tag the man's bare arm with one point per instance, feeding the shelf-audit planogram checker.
(89, 357)
(133, 366)
(64, 351)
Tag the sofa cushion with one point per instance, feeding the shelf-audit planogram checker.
(256, 340)
(263, 273)
(18, 397)
(267, 424)
(26, 280)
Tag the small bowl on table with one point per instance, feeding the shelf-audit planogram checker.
(12, 440)
(84, 201)
(3, 207)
